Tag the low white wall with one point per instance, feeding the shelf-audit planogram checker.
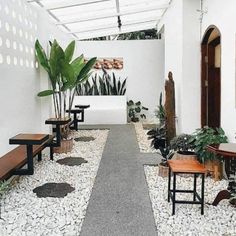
(103, 109)
(143, 65)
(22, 110)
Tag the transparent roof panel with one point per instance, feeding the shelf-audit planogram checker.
(94, 18)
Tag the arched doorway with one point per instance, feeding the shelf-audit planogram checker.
(211, 78)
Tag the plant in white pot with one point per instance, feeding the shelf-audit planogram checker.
(64, 75)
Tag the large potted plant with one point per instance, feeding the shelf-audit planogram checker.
(184, 146)
(206, 136)
(64, 74)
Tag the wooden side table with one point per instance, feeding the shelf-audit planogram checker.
(228, 152)
(29, 140)
(82, 108)
(75, 121)
(186, 167)
(58, 122)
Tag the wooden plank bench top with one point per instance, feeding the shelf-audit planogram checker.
(17, 158)
(186, 166)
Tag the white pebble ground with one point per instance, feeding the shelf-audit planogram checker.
(188, 221)
(25, 214)
(142, 138)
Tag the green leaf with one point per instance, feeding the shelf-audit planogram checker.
(69, 52)
(78, 64)
(45, 93)
(41, 56)
(68, 72)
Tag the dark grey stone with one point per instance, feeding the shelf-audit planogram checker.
(72, 161)
(57, 190)
(84, 139)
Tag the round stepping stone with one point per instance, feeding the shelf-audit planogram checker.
(56, 190)
(72, 161)
(84, 139)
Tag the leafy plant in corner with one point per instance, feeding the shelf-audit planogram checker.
(183, 144)
(206, 136)
(158, 137)
(135, 111)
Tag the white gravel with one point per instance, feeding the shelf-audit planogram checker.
(142, 138)
(219, 220)
(25, 214)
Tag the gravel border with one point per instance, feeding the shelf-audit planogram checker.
(25, 214)
(142, 138)
(188, 221)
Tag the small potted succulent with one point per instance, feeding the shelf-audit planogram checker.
(184, 146)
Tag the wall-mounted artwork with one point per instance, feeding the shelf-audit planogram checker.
(109, 63)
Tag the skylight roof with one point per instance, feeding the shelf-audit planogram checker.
(85, 19)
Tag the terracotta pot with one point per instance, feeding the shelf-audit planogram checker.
(163, 171)
(66, 146)
(214, 169)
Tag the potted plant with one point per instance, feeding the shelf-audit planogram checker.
(135, 111)
(158, 137)
(184, 146)
(206, 136)
(160, 111)
(64, 75)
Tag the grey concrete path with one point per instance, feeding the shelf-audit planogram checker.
(120, 203)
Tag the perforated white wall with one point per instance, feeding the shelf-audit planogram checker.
(20, 78)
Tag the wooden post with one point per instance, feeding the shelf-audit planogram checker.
(170, 107)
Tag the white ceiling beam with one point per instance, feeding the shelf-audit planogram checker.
(116, 31)
(110, 15)
(67, 4)
(112, 26)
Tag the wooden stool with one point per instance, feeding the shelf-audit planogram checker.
(186, 167)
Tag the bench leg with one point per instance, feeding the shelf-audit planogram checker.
(40, 156)
(51, 153)
(30, 162)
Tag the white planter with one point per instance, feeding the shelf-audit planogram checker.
(103, 109)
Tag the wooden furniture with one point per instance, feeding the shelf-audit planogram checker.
(30, 146)
(58, 123)
(75, 120)
(186, 167)
(228, 152)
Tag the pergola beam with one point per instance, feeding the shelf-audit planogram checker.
(116, 31)
(110, 15)
(109, 26)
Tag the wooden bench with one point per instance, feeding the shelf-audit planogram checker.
(11, 162)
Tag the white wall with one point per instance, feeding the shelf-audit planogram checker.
(182, 57)
(21, 109)
(143, 65)
(222, 14)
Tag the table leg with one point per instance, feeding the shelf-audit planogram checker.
(174, 189)
(58, 135)
(75, 122)
(194, 187)
(202, 197)
(169, 182)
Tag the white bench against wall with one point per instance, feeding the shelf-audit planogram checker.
(103, 109)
